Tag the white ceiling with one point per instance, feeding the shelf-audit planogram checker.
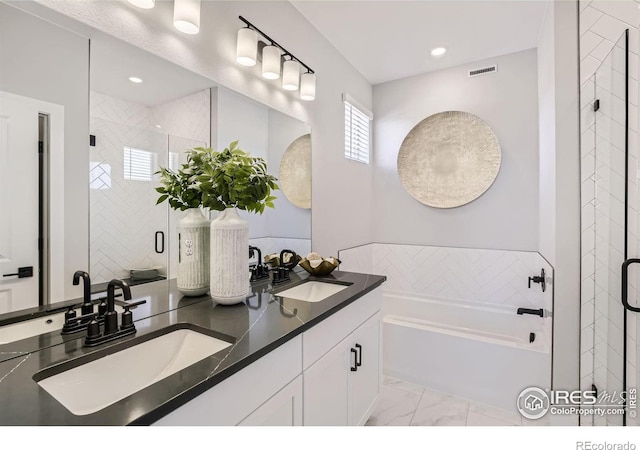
(114, 61)
(388, 40)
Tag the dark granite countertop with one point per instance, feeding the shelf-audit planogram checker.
(161, 296)
(256, 327)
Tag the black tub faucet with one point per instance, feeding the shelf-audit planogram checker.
(87, 306)
(535, 312)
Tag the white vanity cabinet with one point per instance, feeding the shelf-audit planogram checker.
(245, 393)
(342, 385)
(329, 375)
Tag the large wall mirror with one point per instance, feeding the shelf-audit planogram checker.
(285, 144)
(144, 113)
(89, 203)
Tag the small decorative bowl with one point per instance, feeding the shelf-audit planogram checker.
(324, 269)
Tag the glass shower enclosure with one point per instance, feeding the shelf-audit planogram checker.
(612, 315)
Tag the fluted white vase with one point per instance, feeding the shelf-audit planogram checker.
(193, 253)
(229, 258)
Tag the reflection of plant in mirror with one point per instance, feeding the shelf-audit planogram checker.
(180, 187)
(233, 179)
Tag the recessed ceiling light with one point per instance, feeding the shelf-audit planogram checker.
(158, 126)
(135, 79)
(438, 51)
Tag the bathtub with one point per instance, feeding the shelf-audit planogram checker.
(478, 352)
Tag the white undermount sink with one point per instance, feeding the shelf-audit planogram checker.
(312, 291)
(97, 384)
(34, 327)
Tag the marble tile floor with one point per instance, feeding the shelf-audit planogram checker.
(403, 404)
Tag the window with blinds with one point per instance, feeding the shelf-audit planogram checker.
(357, 131)
(138, 164)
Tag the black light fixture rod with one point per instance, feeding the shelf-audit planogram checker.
(274, 43)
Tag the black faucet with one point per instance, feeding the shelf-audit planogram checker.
(111, 329)
(87, 306)
(280, 275)
(535, 312)
(111, 316)
(259, 271)
(253, 249)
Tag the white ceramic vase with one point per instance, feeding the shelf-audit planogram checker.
(229, 258)
(193, 253)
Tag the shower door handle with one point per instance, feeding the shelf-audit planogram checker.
(625, 276)
(160, 243)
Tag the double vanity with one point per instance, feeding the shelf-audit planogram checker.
(306, 352)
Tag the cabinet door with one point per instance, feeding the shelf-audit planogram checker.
(326, 387)
(283, 409)
(364, 384)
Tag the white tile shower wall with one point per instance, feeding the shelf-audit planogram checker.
(117, 110)
(602, 23)
(358, 259)
(489, 277)
(187, 117)
(123, 215)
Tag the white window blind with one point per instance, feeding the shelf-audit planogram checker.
(174, 161)
(138, 164)
(357, 131)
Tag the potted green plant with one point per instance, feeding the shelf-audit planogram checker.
(179, 188)
(231, 180)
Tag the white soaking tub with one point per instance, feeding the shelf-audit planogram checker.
(470, 350)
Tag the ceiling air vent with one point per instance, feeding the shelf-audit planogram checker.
(483, 71)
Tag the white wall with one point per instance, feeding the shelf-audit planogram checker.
(342, 190)
(560, 196)
(547, 133)
(52, 64)
(504, 217)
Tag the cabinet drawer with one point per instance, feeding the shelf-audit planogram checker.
(328, 333)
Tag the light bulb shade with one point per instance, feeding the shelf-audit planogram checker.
(291, 75)
(247, 49)
(308, 86)
(186, 16)
(144, 4)
(271, 62)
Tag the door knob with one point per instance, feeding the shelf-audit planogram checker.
(23, 272)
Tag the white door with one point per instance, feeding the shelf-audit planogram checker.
(365, 382)
(18, 202)
(326, 387)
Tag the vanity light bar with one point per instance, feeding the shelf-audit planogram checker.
(274, 43)
(291, 78)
